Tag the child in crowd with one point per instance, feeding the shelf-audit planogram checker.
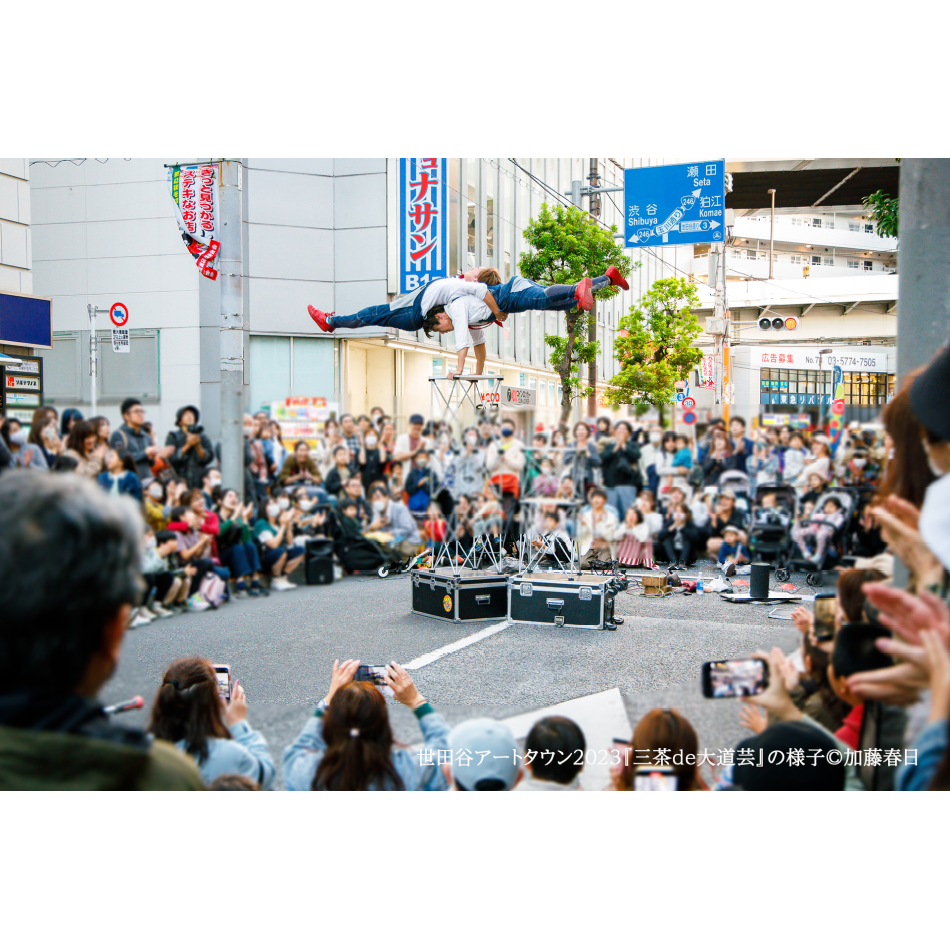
(554, 539)
(435, 526)
(682, 458)
(794, 458)
(636, 543)
(828, 519)
(733, 552)
(546, 482)
(769, 512)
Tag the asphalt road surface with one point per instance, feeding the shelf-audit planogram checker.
(282, 649)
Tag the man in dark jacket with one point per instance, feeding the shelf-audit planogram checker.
(618, 461)
(132, 438)
(61, 638)
(192, 453)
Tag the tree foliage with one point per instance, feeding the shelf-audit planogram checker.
(882, 210)
(568, 245)
(656, 348)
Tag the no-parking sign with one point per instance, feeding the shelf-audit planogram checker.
(119, 314)
(689, 418)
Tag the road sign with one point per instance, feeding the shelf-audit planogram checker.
(120, 340)
(674, 204)
(689, 402)
(689, 418)
(119, 314)
(518, 398)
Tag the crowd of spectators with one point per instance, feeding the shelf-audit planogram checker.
(133, 524)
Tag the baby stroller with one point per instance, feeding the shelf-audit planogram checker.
(770, 530)
(835, 547)
(740, 485)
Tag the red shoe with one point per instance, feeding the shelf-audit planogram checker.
(616, 278)
(584, 295)
(320, 318)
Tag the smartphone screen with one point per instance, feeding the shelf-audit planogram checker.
(825, 609)
(370, 674)
(727, 679)
(654, 781)
(223, 676)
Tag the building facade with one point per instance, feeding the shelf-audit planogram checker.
(315, 231)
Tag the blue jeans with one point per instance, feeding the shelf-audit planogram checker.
(405, 318)
(554, 297)
(242, 559)
(621, 497)
(272, 555)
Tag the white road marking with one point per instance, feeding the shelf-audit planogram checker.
(428, 658)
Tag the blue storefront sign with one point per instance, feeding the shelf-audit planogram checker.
(423, 221)
(674, 204)
(26, 320)
(794, 399)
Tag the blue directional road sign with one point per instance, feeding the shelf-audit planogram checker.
(674, 204)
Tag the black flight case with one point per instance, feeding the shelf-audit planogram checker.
(460, 596)
(561, 599)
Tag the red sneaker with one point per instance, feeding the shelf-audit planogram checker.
(616, 278)
(320, 318)
(584, 295)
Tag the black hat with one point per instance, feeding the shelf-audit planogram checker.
(416, 420)
(780, 744)
(183, 410)
(930, 395)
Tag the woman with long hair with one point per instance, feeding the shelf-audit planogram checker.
(189, 711)
(236, 546)
(82, 445)
(348, 744)
(667, 731)
(103, 430)
(719, 459)
(906, 472)
(44, 435)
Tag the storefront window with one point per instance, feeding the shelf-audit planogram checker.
(860, 389)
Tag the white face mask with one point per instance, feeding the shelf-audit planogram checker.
(248, 432)
(935, 518)
(155, 491)
(471, 439)
(272, 511)
(545, 469)
(931, 464)
(860, 463)
(379, 506)
(306, 504)
(214, 481)
(370, 441)
(18, 437)
(655, 437)
(283, 503)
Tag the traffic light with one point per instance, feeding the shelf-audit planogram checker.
(778, 323)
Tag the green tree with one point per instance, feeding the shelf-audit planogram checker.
(656, 348)
(883, 211)
(568, 245)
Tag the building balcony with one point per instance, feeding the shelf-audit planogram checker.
(838, 237)
(759, 269)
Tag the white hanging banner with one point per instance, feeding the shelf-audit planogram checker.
(194, 189)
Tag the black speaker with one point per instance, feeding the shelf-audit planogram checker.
(759, 582)
(318, 561)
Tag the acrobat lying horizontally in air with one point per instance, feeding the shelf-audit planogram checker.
(517, 295)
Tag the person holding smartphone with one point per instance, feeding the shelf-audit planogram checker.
(348, 745)
(190, 712)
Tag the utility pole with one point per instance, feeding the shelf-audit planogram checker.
(772, 233)
(93, 351)
(232, 324)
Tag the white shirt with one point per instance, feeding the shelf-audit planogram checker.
(443, 290)
(469, 317)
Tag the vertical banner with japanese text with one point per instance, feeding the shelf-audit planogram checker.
(194, 189)
(836, 417)
(706, 373)
(423, 221)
